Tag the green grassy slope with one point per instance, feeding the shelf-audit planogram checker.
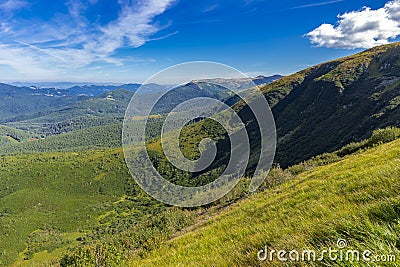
(356, 199)
(66, 208)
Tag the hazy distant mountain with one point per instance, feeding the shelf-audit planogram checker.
(242, 83)
(24, 100)
(108, 107)
(94, 90)
(59, 85)
(31, 102)
(259, 80)
(89, 90)
(60, 89)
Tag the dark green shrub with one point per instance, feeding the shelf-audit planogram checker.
(386, 135)
(352, 148)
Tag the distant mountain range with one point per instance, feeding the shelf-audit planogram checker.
(58, 89)
(36, 109)
(242, 83)
(78, 90)
(15, 101)
(59, 85)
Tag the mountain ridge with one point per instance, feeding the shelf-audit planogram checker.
(324, 107)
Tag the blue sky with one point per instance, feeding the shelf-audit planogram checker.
(128, 41)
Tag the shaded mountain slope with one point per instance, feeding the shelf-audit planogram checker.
(324, 107)
(336, 103)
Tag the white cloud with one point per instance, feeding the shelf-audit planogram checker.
(27, 63)
(210, 8)
(4, 28)
(365, 28)
(318, 4)
(12, 5)
(69, 41)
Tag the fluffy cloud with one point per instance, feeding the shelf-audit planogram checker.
(360, 29)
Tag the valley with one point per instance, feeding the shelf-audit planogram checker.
(68, 199)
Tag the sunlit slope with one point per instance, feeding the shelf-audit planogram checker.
(356, 199)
